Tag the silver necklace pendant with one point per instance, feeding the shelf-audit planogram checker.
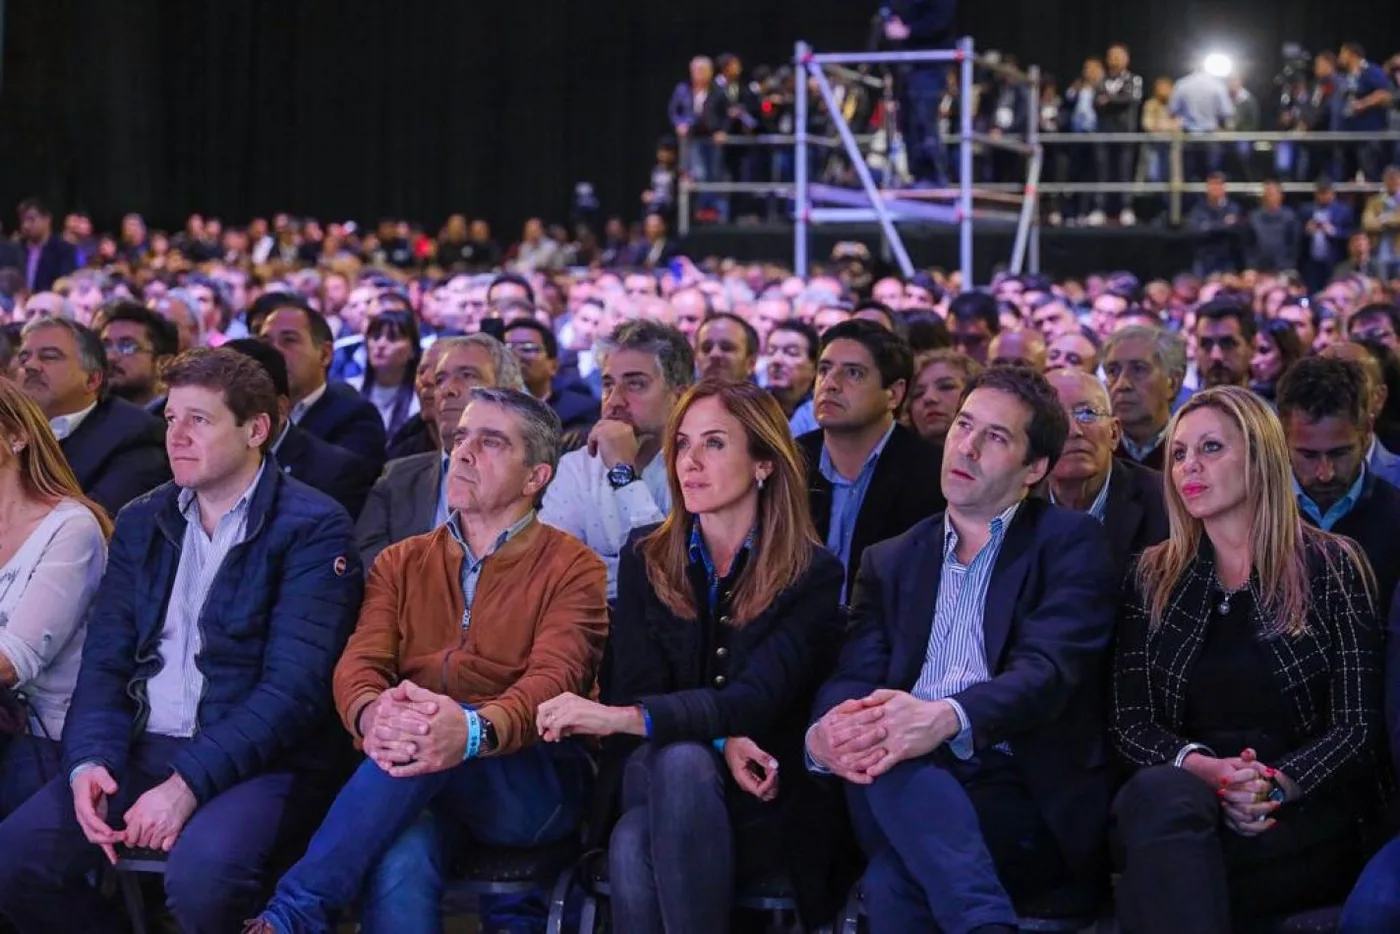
(1224, 606)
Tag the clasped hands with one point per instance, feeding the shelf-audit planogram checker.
(409, 730)
(863, 738)
(1242, 783)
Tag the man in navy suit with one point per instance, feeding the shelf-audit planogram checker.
(334, 471)
(333, 412)
(1327, 225)
(47, 258)
(116, 449)
(966, 709)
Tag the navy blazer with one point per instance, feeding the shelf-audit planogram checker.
(276, 620)
(57, 258)
(346, 419)
(117, 453)
(1135, 516)
(1047, 624)
(322, 466)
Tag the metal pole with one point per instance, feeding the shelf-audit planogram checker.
(965, 53)
(683, 195)
(877, 201)
(802, 201)
(1037, 166)
(1029, 205)
(1175, 168)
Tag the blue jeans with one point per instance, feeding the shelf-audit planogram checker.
(671, 856)
(27, 763)
(390, 837)
(1374, 904)
(923, 92)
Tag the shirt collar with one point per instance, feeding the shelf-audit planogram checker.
(1370, 451)
(1338, 510)
(1139, 453)
(454, 526)
(699, 554)
(64, 425)
(998, 527)
(189, 503)
(276, 445)
(829, 470)
(1099, 506)
(311, 399)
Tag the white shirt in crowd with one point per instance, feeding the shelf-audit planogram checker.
(583, 503)
(299, 410)
(45, 590)
(64, 425)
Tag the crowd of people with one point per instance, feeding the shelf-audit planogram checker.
(317, 567)
(718, 106)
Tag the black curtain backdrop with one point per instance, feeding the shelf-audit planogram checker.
(424, 107)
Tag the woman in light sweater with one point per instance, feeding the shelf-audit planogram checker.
(53, 549)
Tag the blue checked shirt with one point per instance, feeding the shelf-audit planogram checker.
(699, 554)
(956, 657)
(472, 565)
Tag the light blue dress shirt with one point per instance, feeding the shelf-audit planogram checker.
(847, 496)
(956, 657)
(472, 565)
(1338, 510)
(1099, 506)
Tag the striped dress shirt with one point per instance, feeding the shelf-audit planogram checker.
(956, 657)
(175, 690)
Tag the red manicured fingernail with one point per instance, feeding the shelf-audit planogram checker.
(1220, 793)
(1224, 782)
(1269, 773)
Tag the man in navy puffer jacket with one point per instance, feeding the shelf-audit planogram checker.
(202, 710)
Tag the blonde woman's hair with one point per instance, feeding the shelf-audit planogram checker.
(42, 467)
(1280, 541)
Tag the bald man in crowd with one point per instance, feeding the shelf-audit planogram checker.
(1125, 497)
(1021, 347)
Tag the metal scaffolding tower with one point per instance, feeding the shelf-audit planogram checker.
(893, 206)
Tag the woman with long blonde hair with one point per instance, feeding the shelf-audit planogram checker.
(1247, 683)
(727, 620)
(53, 549)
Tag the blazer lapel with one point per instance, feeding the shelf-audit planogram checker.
(423, 494)
(1005, 585)
(1123, 513)
(918, 600)
(882, 497)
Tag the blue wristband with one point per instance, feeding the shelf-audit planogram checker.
(473, 734)
(646, 721)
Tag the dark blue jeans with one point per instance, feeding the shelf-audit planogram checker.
(671, 856)
(390, 837)
(216, 870)
(1374, 904)
(923, 92)
(27, 763)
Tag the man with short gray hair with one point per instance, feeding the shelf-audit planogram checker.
(1144, 368)
(410, 497)
(116, 449)
(617, 483)
(464, 633)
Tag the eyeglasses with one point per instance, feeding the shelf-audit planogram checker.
(1086, 414)
(126, 347)
(526, 349)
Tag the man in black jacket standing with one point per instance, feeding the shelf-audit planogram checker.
(870, 477)
(922, 24)
(1118, 104)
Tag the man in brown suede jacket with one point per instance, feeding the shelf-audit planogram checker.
(452, 656)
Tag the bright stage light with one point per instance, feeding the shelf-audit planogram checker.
(1218, 64)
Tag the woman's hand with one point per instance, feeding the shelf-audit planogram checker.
(571, 715)
(747, 762)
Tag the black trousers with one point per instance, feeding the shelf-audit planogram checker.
(1184, 870)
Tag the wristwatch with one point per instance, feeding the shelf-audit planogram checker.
(621, 475)
(488, 736)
